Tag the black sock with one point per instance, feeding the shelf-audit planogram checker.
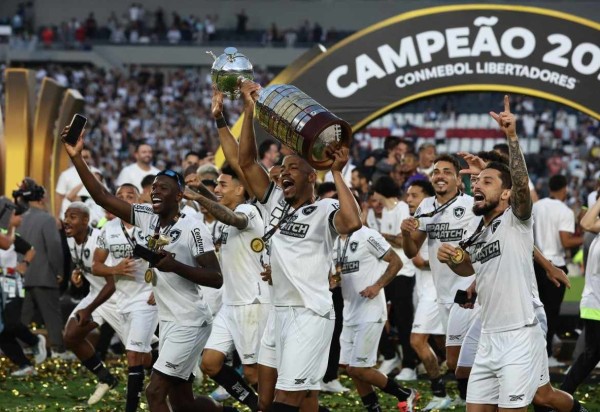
(95, 365)
(462, 388)
(135, 385)
(282, 407)
(438, 387)
(371, 402)
(392, 388)
(235, 385)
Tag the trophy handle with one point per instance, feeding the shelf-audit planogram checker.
(212, 54)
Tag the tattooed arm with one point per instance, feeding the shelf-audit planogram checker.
(520, 198)
(220, 212)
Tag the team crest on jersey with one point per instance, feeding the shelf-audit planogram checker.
(495, 226)
(459, 212)
(353, 246)
(86, 253)
(175, 234)
(308, 210)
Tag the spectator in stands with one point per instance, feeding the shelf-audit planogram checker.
(427, 154)
(268, 152)
(242, 21)
(408, 168)
(45, 271)
(146, 188)
(67, 181)
(360, 184)
(47, 37)
(91, 26)
(174, 34)
(135, 172)
(393, 152)
(191, 159)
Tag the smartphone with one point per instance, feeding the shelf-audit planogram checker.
(75, 128)
(461, 297)
(151, 257)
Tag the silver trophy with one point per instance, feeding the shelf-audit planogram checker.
(285, 112)
(227, 69)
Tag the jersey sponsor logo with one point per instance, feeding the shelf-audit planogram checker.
(361, 360)
(198, 244)
(495, 225)
(485, 253)
(454, 337)
(249, 355)
(376, 245)
(516, 398)
(459, 212)
(276, 215)
(353, 246)
(143, 209)
(308, 210)
(443, 232)
(350, 267)
(294, 229)
(416, 325)
(114, 236)
(299, 381)
(119, 251)
(224, 236)
(136, 343)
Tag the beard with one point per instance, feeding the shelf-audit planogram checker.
(486, 208)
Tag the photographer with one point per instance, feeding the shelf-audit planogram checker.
(43, 275)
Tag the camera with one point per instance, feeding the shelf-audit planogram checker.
(29, 191)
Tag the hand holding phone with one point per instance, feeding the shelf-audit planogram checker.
(462, 297)
(75, 128)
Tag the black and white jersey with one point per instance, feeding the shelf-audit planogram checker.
(448, 226)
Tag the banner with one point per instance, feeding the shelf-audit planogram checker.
(523, 50)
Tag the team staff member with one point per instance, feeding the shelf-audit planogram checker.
(302, 229)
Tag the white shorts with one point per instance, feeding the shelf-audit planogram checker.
(139, 327)
(240, 327)
(427, 318)
(359, 344)
(302, 346)
(180, 348)
(468, 349)
(459, 322)
(509, 367)
(267, 354)
(108, 312)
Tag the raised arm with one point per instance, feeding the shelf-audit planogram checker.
(256, 177)
(228, 142)
(520, 198)
(99, 193)
(589, 221)
(221, 213)
(347, 219)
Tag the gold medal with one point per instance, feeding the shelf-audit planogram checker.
(337, 276)
(417, 221)
(458, 257)
(77, 275)
(149, 276)
(257, 245)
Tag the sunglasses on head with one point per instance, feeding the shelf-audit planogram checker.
(209, 182)
(173, 175)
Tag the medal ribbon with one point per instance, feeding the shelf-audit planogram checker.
(286, 216)
(464, 244)
(341, 254)
(437, 210)
(79, 257)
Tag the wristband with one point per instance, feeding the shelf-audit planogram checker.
(221, 122)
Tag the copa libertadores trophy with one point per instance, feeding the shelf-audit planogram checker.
(285, 112)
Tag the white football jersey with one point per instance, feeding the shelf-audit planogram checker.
(448, 226)
(390, 224)
(135, 292)
(552, 216)
(502, 257)
(590, 298)
(363, 265)
(240, 264)
(84, 254)
(179, 300)
(300, 252)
